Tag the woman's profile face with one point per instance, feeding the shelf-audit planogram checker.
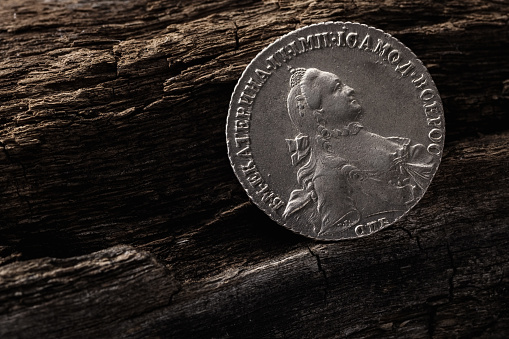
(338, 100)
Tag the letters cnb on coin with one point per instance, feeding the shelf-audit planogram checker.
(335, 130)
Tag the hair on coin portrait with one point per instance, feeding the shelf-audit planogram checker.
(346, 174)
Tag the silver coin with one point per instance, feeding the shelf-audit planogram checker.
(335, 130)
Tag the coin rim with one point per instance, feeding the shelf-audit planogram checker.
(246, 185)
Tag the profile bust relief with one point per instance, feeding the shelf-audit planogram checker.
(345, 173)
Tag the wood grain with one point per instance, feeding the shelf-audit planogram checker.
(118, 205)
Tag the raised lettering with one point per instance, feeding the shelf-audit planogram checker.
(307, 44)
(262, 74)
(273, 63)
(434, 149)
(394, 56)
(263, 189)
(249, 168)
(420, 82)
(316, 39)
(351, 39)
(253, 85)
(435, 135)
(340, 41)
(239, 141)
(282, 55)
(380, 48)
(241, 124)
(267, 196)
(406, 68)
(371, 226)
(254, 179)
(436, 122)
(292, 48)
(366, 42)
(432, 109)
(326, 41)
(276, 203)
(245, 152)
(427, 94)
(246, 99)
(243, 113)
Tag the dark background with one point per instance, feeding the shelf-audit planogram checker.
(120, 215)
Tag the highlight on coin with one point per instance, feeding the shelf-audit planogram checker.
(335, 130)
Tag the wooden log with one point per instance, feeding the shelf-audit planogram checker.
(112, 133)
(441, 271)
(88, 296)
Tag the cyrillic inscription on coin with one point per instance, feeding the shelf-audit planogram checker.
(335, 130)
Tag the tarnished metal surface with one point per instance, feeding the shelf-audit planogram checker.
(335, 130)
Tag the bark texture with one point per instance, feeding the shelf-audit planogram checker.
(120, 215)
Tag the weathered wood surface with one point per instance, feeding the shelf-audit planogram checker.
(112, 132)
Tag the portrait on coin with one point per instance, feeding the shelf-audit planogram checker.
(346, 174)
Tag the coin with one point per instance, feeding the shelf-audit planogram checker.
(335, 130)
